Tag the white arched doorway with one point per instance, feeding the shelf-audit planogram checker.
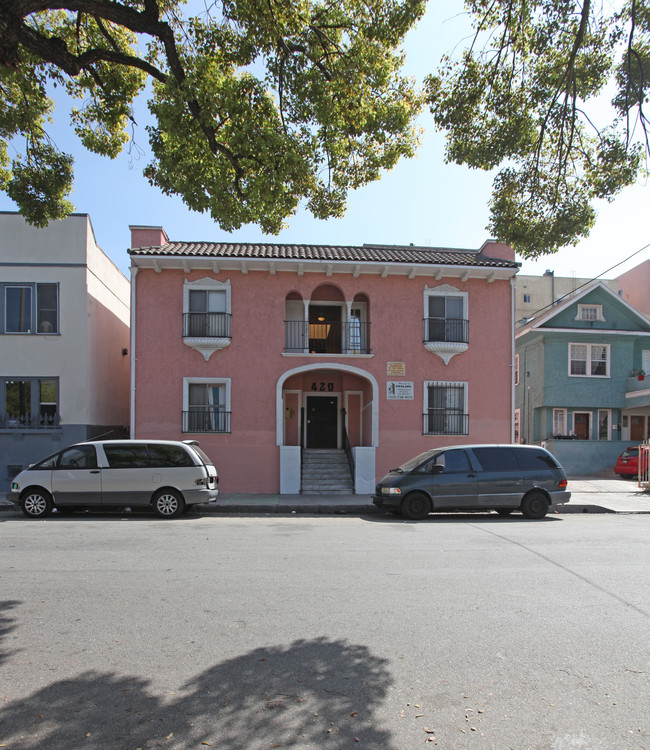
(290, 402)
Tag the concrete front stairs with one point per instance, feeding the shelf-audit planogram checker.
(326, 472)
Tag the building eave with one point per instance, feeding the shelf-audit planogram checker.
(215, 264)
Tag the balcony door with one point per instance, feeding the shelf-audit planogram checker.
(325, 329)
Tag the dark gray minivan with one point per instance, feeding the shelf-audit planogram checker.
(475, 477)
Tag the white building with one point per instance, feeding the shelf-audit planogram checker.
(64, 338)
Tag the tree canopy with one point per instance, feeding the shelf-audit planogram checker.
(257, 104)
(551, 92)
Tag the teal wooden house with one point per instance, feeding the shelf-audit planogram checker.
(582, 380)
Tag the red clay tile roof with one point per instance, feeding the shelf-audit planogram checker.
(355, 254)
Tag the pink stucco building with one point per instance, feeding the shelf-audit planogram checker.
(275, 356)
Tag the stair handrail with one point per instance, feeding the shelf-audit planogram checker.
(346, 446)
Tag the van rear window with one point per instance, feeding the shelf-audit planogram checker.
(496, 459)
(168, 455)
(531, 459)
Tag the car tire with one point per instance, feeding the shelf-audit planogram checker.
(415, 506)
(534, 505)
(505, 511)
(168, 504)
(36, 503)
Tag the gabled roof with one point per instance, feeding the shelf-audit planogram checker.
(545, 321)
(407, 254)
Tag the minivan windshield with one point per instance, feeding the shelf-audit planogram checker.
(414, 462)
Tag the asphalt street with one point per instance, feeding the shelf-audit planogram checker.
(255, 631)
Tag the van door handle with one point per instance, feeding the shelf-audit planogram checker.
(471, 475)
(94, 471)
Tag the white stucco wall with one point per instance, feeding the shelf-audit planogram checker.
(93, 310)
(107, 336)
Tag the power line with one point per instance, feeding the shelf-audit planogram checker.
(571, 293)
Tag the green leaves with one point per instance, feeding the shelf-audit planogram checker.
(528, 97)
(257, 106)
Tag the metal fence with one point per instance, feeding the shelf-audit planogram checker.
(442, 422)
(212, 325)
(446, 329)
(339, 337)
(206, 419)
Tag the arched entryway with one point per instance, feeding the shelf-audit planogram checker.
(322, 406)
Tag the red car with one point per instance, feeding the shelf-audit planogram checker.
(627, 464)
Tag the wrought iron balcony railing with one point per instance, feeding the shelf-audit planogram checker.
(350, 337)
(206, 419)
(206, 325)
(455, 330)
(27, 422)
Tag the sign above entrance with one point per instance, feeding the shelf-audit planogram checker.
(399, 390)
(396, 369)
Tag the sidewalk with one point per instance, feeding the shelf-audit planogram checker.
(588, 495)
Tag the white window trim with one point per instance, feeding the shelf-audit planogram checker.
(444, 349)
(582, 308)
(206, 345)
(564, 417)
(588, 374)
(204, 381)
(516, 369)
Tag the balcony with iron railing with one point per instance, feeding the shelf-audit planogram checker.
(206, 419)
(442, 422)
(446, 336)
(28, 422)
(206, 332)
(338, 337)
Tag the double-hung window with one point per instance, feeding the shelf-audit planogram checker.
(207, 313)
(206, 405)
(589, 360)
(445, 408)
(31, 308)
(30, 403)
(446, 320)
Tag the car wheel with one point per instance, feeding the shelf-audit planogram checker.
(36, 504)
(534, 505)
(168, 503)
(504, 511)
(415, 506)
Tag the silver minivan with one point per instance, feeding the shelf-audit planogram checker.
(163, 474)
(504, 478)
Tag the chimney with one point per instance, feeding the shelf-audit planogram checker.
(499, 250)
(148, 236)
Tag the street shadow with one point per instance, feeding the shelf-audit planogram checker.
(316, 693)
(7, 624)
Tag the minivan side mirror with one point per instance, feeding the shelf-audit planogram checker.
(437, 469)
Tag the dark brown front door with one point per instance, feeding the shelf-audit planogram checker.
(581, 425)
(322, 413)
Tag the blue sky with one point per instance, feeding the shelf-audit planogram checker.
(423, 200)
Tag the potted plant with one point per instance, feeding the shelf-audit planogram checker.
(640, 373)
